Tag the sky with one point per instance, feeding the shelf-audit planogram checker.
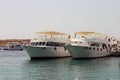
(22, 18)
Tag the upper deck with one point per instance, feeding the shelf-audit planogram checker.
(51, 36)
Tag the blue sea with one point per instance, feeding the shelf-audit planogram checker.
(17, 65)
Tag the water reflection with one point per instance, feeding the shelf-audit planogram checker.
(96, 69)
(18, 66)
(48, 69)
(72, 69)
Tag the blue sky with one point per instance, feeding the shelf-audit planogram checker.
(21, 18)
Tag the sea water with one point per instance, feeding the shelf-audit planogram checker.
(17, 65)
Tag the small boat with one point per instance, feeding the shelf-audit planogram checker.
(14, 47)
(49, 44)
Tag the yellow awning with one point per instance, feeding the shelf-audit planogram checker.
(84, 33)
(89, 33)
(51, 33)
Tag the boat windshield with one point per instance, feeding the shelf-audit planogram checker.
(37, 43)
(54, 44)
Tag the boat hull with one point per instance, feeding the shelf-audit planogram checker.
(82, 52)
(47, 52)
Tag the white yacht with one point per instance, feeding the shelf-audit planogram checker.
(49, 44)
(89, 45)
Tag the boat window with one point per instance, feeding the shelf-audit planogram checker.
(109, 46)
(37, 43)
(75, 42)
(89, 48)
(97, 49)
(34, 43)
(93, 48)
(54, 44)
(104, 46)
(17, 45)
(86, 47)
(83, 37)
(31, 43)
(94, 44)
(55, 48)
(43, 43)
(40, 43)
(80, 42)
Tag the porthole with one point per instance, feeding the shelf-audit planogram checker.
(101, 49)
(93, 48)
(89, 48)
(86, 47)
(97, 49)
(55, 48)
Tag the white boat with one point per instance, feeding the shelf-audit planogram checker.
(48, 44)
(89, 45)
(14, 47)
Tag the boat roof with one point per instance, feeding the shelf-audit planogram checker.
(84, 33)
(89, 33)
(98, 40)
(51, 33)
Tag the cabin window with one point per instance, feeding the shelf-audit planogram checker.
(17, 45)
(109, 46)
(104, 46)
(37, 43)
(40, 43)
(12, 46)
(94, 44)
(54, 44)
(31, 43)
(97, 49)
(34, 43)
(80, 42)
(75, 42)
(43, 43)
(93, 48)
(86, 47)
(89, 48)
(55, 48)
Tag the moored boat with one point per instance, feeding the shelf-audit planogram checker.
(49, 44)
(89, 45)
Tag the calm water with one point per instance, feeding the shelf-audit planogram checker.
(16, 65)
